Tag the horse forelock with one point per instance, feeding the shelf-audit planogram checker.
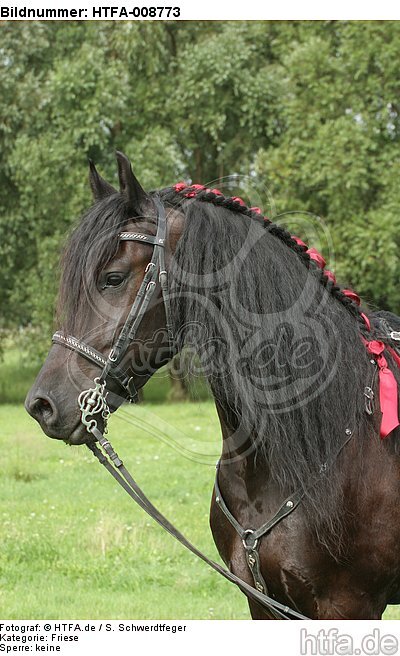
(91, 245)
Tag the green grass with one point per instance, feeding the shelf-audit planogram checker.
(73, 545)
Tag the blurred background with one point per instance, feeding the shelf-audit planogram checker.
(308, 110)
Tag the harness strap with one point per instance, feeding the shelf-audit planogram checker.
(163, 278)
(251, 537)
(139, 236)
(116, 468)
(75, 344)
(254, 565)
(145, 292)
(95, 357)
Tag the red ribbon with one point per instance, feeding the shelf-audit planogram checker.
(366, 320)
(330, 275)
(195, 188)
(180, 186)
(238, 200)
(312, 252)
(350, 294)
(298, 241)
(388, 393)
(317, 257)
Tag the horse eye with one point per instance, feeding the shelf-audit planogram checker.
(113, 280)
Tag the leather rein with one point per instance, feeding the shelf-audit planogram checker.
(93, 402)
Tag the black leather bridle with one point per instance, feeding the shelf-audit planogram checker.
(154, 270)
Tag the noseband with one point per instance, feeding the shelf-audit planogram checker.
(93, 401)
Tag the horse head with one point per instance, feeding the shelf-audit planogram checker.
(112, 308)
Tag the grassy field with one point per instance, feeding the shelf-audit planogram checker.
(72, 543)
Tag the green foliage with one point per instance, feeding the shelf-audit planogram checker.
(308, 110)
(339, 151)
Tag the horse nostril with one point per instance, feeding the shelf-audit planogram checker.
(41, 408)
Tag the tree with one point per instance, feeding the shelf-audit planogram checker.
(307, 109)
(338, 155)
(71, 92)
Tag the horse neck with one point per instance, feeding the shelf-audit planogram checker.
(244, 474)
(238, 443)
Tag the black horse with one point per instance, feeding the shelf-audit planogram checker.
(288, 357)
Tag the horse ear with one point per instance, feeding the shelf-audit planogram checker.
(100, 187)
(129, 185)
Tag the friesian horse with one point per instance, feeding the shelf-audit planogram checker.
(290, 360)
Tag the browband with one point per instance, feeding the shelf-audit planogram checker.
(95, 357)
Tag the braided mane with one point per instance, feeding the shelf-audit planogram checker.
(272, 297)
(249, 305)
(309, 256)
